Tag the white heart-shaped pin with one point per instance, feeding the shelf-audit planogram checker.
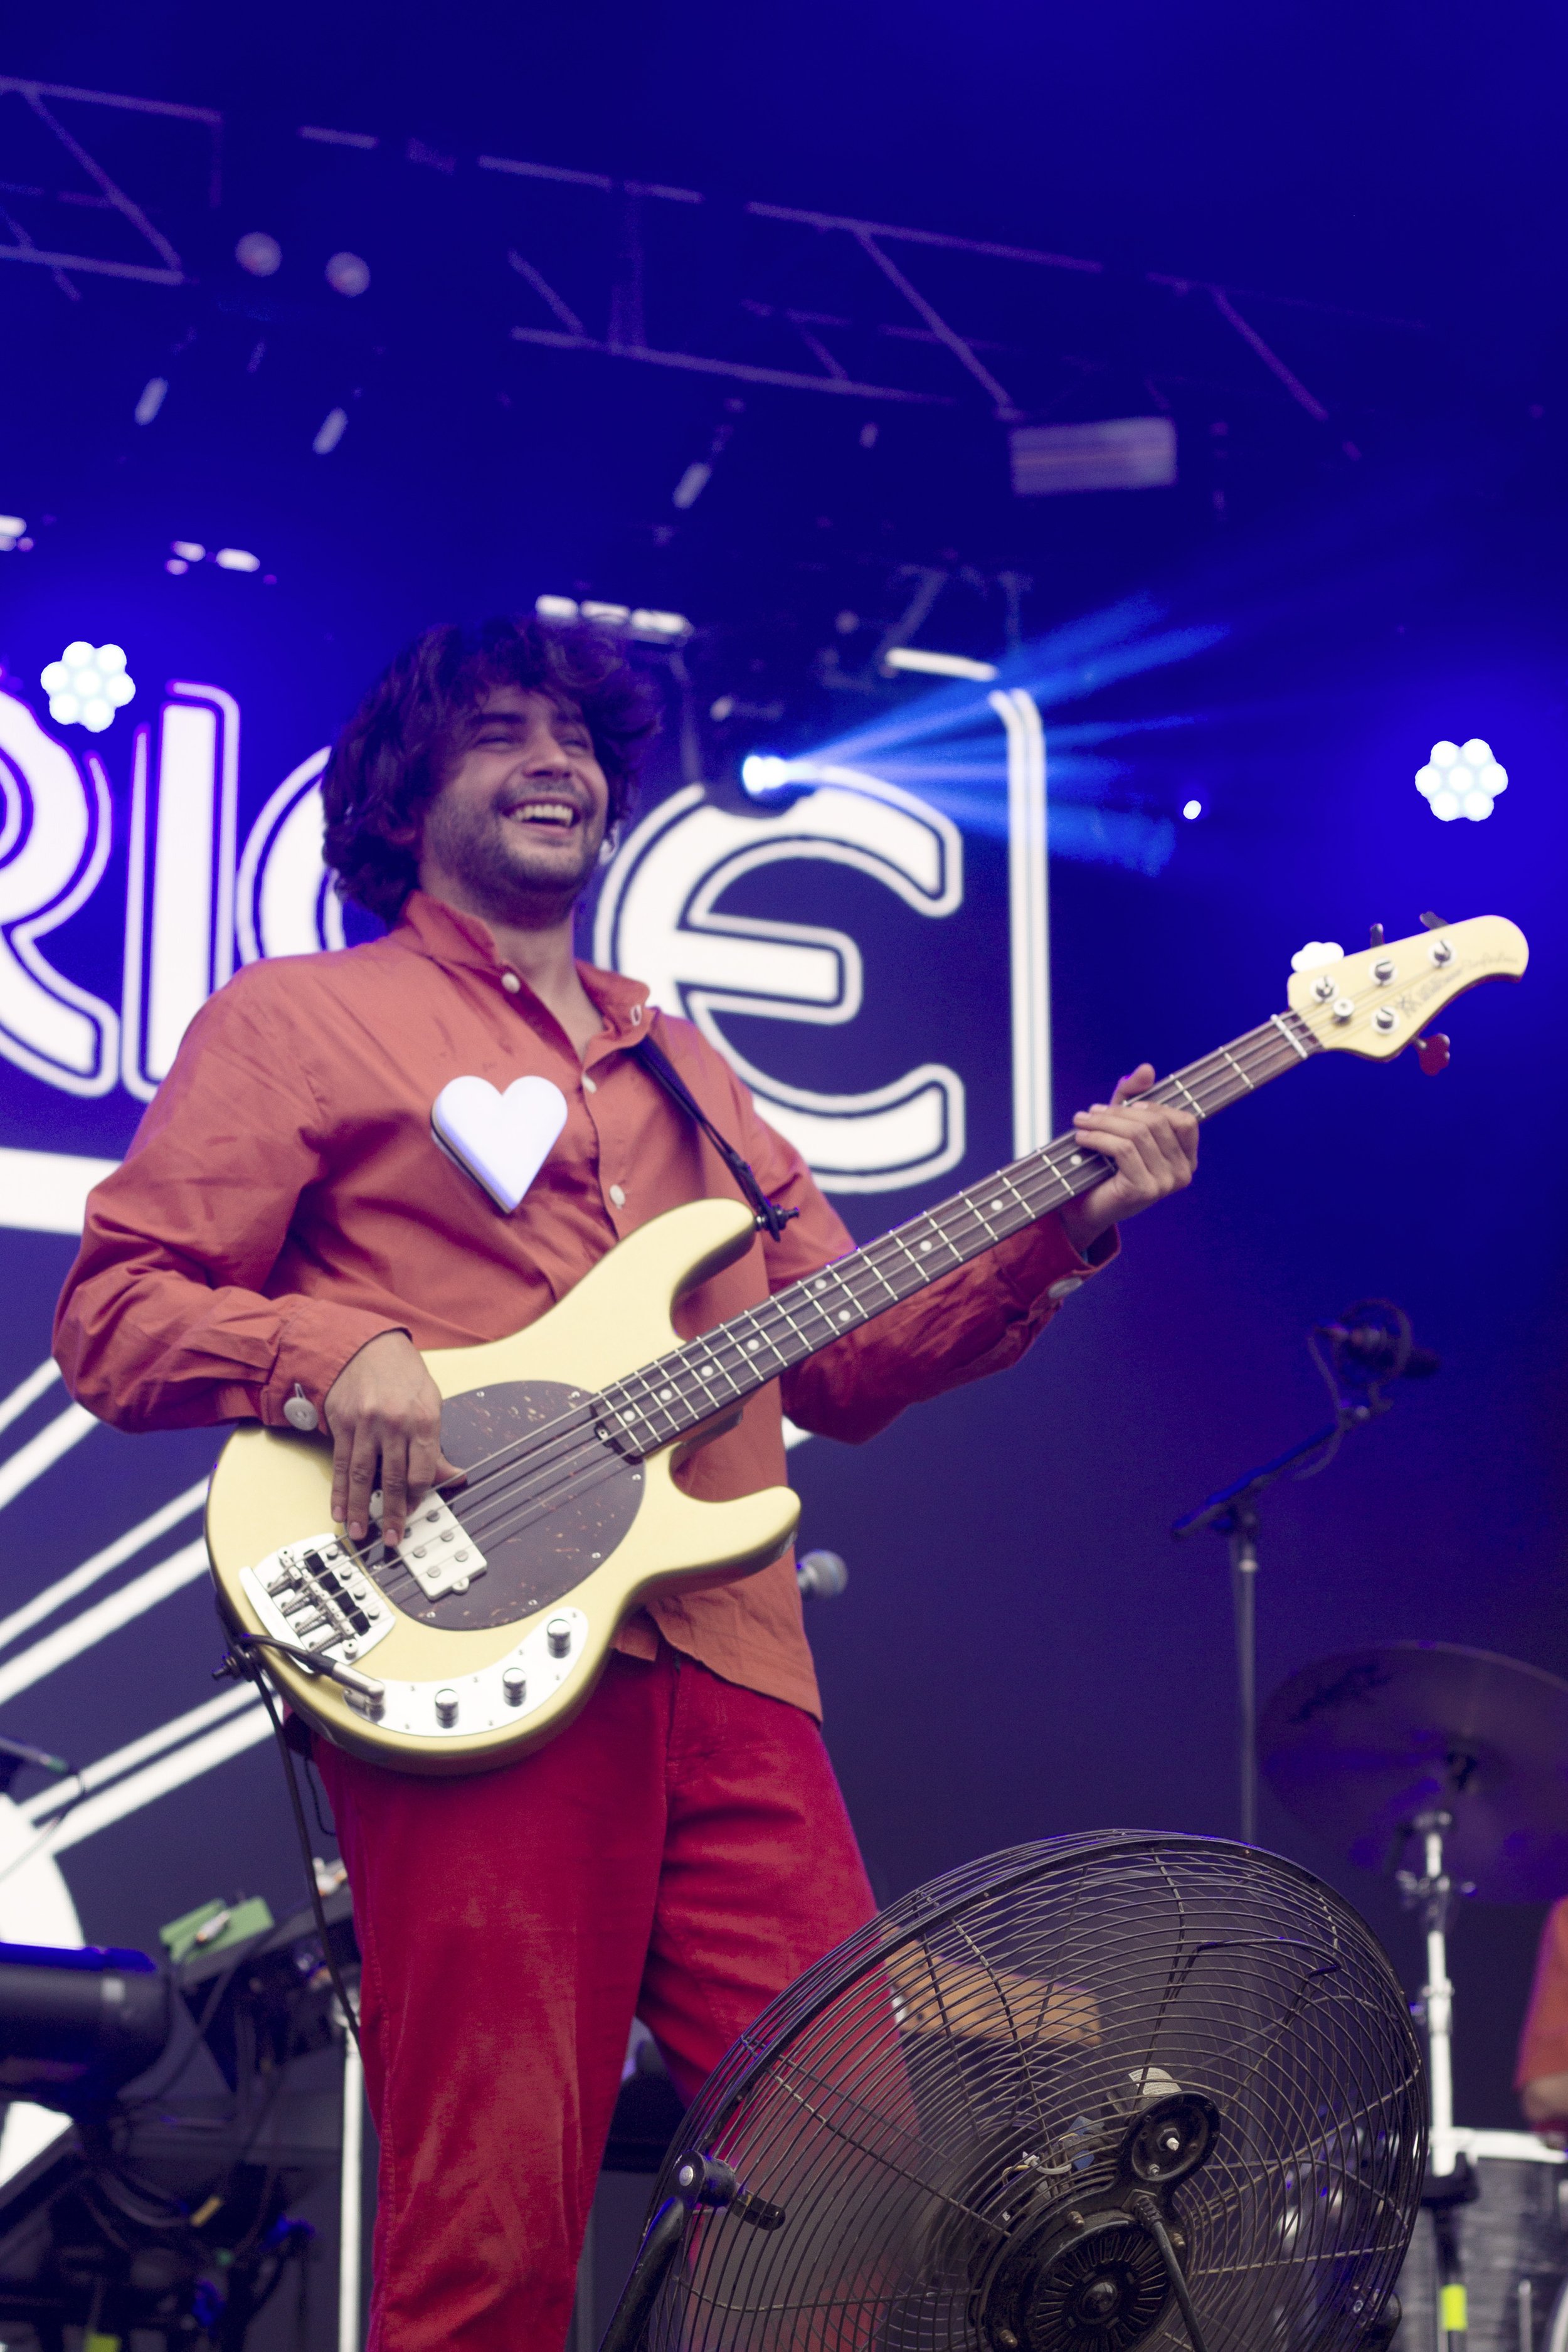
(500, 1140)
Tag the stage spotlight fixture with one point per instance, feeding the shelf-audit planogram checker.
(176, 565)
(1461, 780)
(763, 772)
(13, 533)
(347, 274)
(237, 559)
(660, 628)
(334, 425)
(259, 254)
(190, 551)
(154, 392)
(648, 626)
(1115, 452)
(1192, 809)
(915, 660)
(87, 685)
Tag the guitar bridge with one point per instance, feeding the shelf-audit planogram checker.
(436, 1550)
(316, 1595)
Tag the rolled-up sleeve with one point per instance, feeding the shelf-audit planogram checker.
(164, 1322)
(979, 1319)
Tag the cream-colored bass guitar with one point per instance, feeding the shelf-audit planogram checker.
(484, 1631)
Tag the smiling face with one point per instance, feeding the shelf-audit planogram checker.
(515, 830)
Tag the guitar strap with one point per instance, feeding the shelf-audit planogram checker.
(659, 1067)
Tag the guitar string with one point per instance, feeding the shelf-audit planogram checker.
(560, 1448)
(712, 1349)
(544, 1488)
(566, 1425)
(577, 1467)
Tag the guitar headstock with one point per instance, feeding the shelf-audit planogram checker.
(1374, 1003)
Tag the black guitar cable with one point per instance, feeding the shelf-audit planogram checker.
(242, 1662)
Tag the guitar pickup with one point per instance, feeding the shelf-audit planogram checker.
(436, 1550)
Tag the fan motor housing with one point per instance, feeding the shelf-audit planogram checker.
(1078, 2282)
(1084, 2274)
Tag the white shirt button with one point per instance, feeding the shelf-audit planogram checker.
(1066, 1287)
(617, 1196)
(300, 1413)
(510, 982)
(589, 1088)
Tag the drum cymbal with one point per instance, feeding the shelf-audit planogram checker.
(1356, 1745)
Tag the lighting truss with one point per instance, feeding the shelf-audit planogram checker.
(654, 276)
(53, 141)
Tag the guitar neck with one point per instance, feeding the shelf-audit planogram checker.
(667, 1400)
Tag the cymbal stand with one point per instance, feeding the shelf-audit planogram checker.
(1450, 2182)
(1433, 1892)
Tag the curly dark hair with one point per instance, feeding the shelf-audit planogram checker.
(393, 756)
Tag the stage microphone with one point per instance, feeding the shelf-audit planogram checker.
(1379, 1353)
(821, 1575)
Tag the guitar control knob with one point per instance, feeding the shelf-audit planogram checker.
(558, 1633)
(447, 1707)
(514, 1682)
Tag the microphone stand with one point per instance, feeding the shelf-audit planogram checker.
(1232, 1512)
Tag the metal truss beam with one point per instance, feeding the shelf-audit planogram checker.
(964, 323)
(166, 268)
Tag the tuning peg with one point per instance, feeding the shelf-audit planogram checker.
(1376, 939)
(1432, 1053)
(1434, 922)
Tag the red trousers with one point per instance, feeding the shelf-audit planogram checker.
(680, 1852)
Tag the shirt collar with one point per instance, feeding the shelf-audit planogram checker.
(431, 928)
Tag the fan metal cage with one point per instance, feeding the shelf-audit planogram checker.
(943, 2132)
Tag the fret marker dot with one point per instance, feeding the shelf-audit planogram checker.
(997, 1204)
(665, 1395)
(751, 1347)
(925, 1245)
(844, 1316)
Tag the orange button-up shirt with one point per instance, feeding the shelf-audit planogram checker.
(283, 1203)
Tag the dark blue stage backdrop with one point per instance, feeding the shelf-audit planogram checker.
(1021, 1650)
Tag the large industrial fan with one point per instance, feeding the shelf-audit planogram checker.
(1092, 2094)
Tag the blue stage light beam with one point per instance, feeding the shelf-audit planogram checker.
(1072, 662)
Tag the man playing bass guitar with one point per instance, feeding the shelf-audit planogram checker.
(282, 1242)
